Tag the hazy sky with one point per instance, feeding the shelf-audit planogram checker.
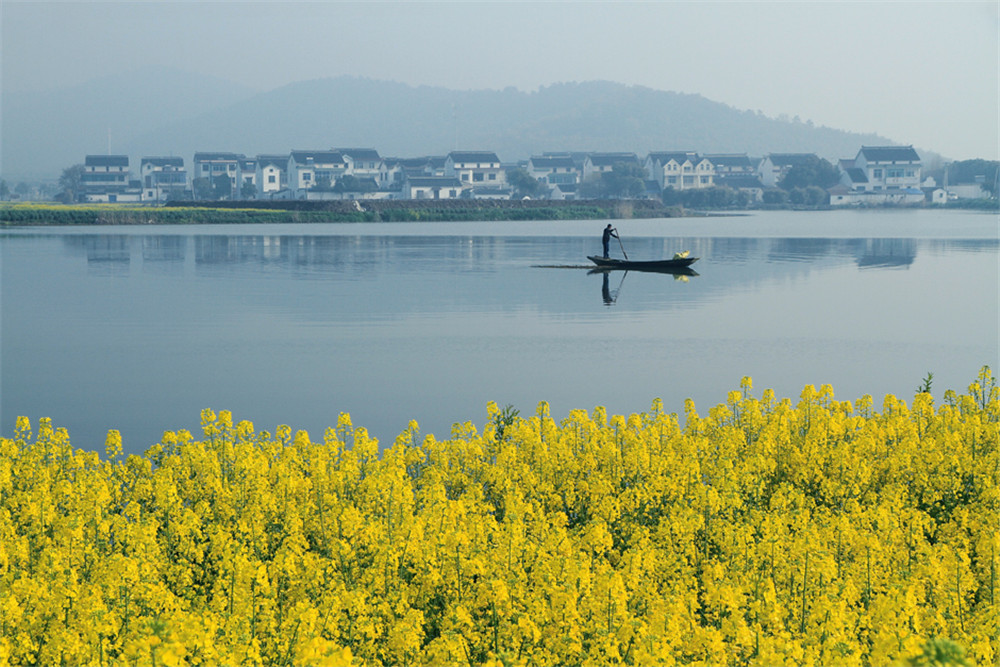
(921, 73)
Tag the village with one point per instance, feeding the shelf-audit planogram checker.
(876, 175)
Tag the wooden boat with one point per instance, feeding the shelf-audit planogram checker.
(643, 265)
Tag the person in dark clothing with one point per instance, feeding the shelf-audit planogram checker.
(609, 231)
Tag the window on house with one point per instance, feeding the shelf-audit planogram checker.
(270, 179)
(493, 177)
(876, 173)
(478, 177)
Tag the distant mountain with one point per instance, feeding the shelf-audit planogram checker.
(398, 120)
(43, 132)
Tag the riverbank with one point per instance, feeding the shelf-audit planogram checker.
(332, 211)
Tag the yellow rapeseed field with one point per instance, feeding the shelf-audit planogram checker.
(767, 532)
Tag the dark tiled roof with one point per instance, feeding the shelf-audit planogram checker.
(729, 160)
(890, 154)
(679, 157)
(217, 157)
(552, 162)
(276, 160)
(318, 157)
(611, 159)
(473, 156)
(163, 161)
(360, 153)
(106, 161)
(856, 175)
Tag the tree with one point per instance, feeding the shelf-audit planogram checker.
(4, 191)
(524, 184)
(775, 196)
(71, 183)
(350, 183)
(202, 188)
(623, 181)
(222, 187)
(815, 171)
(248, 190)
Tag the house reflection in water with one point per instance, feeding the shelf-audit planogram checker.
(887, 253)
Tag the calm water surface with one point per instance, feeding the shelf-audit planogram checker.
(139, 328)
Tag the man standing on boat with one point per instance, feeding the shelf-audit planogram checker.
(609, 231)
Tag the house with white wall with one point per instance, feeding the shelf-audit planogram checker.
(270, 175)
(475, 168)
(212, 165)
(362, 162)
(554, 169)
(432, 187)
(162, 178)
(105, 178)
(311, 169)
(680, 170)
(889, 167)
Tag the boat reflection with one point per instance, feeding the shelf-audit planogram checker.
(610, 297)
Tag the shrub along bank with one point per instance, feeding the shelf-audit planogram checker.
(332, 211)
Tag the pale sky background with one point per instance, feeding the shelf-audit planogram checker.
(921, 73)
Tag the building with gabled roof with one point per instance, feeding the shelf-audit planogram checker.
(475, 168)
(270, 175)
(311, 169)
(162, 178)
(105, 178)
(889, 167)
(553, 169)
(680, 170)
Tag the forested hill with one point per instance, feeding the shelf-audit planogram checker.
(402, 120)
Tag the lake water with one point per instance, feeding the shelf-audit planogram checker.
(139, 328)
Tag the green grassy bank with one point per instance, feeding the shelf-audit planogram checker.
(329, 211)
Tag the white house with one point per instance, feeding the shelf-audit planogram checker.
(270, 176)
(680, 170)
(556, 169)
(362, 162)
(212, 165)
(889, 167)
(246, 177)
(432, 187)
(475, 168)
(732, 164)
(311, 169)
(105, 178)
(162, 178)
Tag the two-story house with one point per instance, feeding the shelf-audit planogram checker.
(105, 178)
(554, 169)
(270, 176)
(162, 178)
(680, 170)
(732, 164)
(475, 168)
(362, 163)
(212, 165)
(314, 169)
(889, 167)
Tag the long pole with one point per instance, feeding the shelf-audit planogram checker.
(621, 246)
